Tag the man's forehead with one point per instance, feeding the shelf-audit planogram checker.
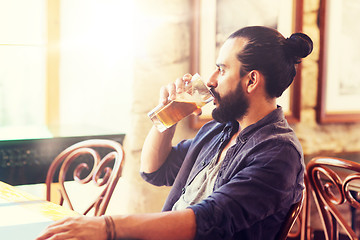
(230, 49)
(234, 44)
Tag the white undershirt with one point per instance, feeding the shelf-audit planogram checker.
(201, 187)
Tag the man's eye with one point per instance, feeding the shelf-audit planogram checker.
(221, 70)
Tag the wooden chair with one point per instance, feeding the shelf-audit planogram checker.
(331, 179)
(305, 230)
(291, 218)
(92, 158)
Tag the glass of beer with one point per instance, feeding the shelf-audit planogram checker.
(195, 95)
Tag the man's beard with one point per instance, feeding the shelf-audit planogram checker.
(232, 106)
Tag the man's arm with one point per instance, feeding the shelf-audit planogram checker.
(165, 225)
(157, 147)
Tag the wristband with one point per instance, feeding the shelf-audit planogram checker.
(110, 228)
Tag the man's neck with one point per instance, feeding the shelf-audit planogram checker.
(255, 113)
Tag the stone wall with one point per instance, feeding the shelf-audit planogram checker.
(315, 137)
(160, 59)
(166, 57)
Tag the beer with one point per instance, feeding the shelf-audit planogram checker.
(166, 116)
(195, 96)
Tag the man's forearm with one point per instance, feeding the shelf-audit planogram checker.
(156, 148)
(166, 225)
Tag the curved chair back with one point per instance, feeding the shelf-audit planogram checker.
(290, 219)
(332, 180)
(86, 155)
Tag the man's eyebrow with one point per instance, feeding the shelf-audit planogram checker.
(220, 65)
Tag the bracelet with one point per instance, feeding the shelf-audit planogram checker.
(110, 228)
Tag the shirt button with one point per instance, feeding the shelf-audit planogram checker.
(183, 190)
(203, 163)
(222, 140)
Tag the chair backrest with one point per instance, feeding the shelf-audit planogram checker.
(103, 161)
(290, 219)
(331, 181)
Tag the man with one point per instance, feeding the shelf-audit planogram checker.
(241, 173)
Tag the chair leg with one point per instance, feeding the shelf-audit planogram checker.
(353, 211)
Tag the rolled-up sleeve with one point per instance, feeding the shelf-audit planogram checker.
(167, 173)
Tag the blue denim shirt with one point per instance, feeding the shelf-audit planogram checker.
(260, 178)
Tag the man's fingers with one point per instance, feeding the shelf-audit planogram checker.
(169, 92)
(197, 112)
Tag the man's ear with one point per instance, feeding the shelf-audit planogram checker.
(253, 80)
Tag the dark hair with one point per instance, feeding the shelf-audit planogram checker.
(274, 56)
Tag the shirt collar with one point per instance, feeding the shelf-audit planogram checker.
(274, 116)
(232, 126)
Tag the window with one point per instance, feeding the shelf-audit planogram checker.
(87, 63)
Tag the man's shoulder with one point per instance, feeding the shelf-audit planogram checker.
(278, 132)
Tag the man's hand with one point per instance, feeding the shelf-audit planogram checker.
(76, 228)
(168, 93)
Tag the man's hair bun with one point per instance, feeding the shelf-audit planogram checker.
(298, 45)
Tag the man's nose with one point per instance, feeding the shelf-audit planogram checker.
(212, 81)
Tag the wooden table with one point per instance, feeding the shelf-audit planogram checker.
(23, 216)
